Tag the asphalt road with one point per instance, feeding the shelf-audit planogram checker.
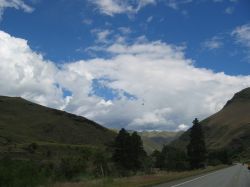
(235, 176)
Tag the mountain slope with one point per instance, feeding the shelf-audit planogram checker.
(155, 140)
(228, 128)
(22, 121)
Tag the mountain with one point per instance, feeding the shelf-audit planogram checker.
(227, 129)
(155, 140)
(23, 122)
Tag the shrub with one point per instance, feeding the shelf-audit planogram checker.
(16, 173)
(70, 167)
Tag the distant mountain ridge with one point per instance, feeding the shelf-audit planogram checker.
(227, 129)
(155, 140)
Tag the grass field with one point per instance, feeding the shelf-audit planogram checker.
(138, 181)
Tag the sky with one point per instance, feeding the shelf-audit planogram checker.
(134, 64)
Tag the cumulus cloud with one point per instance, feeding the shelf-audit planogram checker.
(25, 73)
(17, 4)
(112, 7)
(155, 86)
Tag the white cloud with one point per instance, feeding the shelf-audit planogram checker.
(149, 19)
(17, 4)
(229, 10)
(125, 30)
(112, 7)
(167, 89)
(242, 36)
(131, 7)
(25, 73)
(87, 21)
(102, 35)
(213, 43)
(175, 4)
(182, 127)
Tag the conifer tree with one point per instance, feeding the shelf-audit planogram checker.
(137, 153)
(196, 148)
(128, 151)
(121, 150)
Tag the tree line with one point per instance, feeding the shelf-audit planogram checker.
(128, 151)
(129, 155)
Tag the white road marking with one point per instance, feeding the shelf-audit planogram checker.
(195, 179)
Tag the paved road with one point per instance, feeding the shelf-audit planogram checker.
(235, 176)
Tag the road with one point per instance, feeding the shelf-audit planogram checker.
(235, 176)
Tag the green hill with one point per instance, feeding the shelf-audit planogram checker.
(23, 122)
(229, 128)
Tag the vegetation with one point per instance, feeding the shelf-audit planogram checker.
(170, 159)
(196, 148)
(217, 157)
(155, 140)
(41, 146)
(138, 180)
(128, 152)
(227, 129)
(46, 163)
(21, 173)
(85, 163)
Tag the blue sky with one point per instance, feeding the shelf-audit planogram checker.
(59, 29)
(99, 38)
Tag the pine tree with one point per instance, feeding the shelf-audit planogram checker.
(157, 159)
(121, 150)
(137, 153)
(196, 148)
(128, 151)
(170, 158)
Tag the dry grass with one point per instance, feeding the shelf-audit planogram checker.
(138, 181)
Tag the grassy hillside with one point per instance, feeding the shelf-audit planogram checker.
(40, 145)
(228, 128)
(22, 121)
